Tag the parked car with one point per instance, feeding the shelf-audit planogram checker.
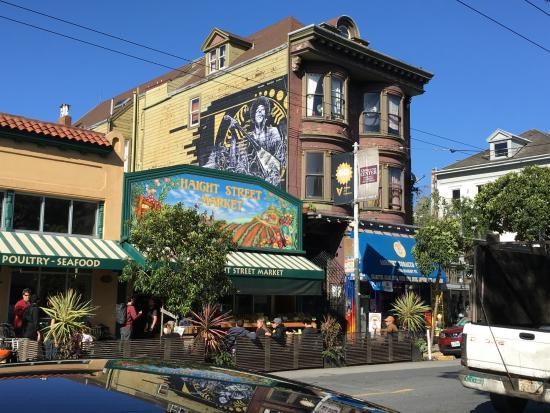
(132, 385)
(450, 338)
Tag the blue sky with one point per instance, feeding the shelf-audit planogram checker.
(485, 77)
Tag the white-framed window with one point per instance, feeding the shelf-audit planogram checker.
(194, 111)
(221, 57)
(315, 95)
(314, 175)
(217, 59)
(371, 112)
(394, 114)
(212, 60)
(337, 100)
(54, 215)
(501, 150)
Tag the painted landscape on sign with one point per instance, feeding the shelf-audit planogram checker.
(257, 217)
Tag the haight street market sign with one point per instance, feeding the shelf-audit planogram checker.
(259, 215)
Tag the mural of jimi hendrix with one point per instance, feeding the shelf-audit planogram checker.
(252, 141)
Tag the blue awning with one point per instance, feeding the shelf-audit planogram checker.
(388, 257)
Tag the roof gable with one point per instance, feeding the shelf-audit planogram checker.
(218, 36)
(502, 135)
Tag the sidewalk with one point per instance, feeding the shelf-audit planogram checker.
(371, 368)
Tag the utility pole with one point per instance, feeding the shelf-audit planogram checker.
(356, 259)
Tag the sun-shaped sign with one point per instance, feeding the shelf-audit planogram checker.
(344, 173)
(399, 249)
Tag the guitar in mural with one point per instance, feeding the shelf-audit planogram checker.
(269, 164)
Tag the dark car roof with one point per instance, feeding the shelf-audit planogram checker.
(132, 385)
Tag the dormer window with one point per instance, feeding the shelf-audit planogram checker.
(501, 150)
(216, 59)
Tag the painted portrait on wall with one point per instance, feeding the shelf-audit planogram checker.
(250, 133)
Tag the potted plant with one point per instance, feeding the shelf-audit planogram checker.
(333, 353)
(68, 313)
(409, 310)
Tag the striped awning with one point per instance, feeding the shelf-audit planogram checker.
(257, 264)
(24, 249)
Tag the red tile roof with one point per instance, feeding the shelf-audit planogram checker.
(52, 130)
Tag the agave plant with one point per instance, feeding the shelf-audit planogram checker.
(68, 313)
(208, 323)
(410, 309)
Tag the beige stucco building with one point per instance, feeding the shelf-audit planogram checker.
(60, 211)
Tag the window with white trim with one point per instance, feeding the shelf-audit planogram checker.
(194, 112)
(54, 215)
(501, 150)
(217, 59)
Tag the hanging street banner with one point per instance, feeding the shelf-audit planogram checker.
(369, 174)
(342, 186)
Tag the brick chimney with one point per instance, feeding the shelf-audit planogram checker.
(64, 117)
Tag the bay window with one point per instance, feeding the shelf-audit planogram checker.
(325, 96)
(315, 95)
(394, 116)
(337, 98)
(371, 112)
(395, 188)
(55, 215)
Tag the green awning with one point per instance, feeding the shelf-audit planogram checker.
(273, 266)
(272, 286)
(23, 249)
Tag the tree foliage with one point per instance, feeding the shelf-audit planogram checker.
(439, 243)
(410, 309)
(186, 255)
(518, 202)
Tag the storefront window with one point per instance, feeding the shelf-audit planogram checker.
(262, 304)
(45, 282)
(26, 212)
(243, 304)
(55, 215)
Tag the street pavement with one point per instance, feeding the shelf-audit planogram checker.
(428, 386)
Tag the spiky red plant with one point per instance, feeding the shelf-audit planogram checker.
(209, 322)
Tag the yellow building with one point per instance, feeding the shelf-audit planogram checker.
(60, 209)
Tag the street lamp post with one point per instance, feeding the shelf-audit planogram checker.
(356, 238)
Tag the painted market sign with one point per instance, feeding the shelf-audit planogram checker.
(259, 215)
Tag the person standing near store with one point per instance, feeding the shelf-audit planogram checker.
(18, 311)
(261, 329)
(131, 316)
(151, 323)
(30, 320)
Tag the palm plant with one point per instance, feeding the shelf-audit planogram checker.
(68, 313)
(410, 309)
(209, 333)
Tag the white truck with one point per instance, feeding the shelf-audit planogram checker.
(506, 348)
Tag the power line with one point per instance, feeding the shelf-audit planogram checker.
(181, 70)
(537, 7)
(504, 26)
(445, 138)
